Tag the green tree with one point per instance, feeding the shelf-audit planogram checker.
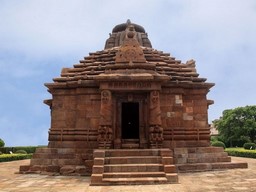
(1, 143)
(237, 125)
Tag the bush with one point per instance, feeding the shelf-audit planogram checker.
(2, 143)
(21, 152)
(240, 152)
(1, 153)
(14, 157)
(249, 146)
(28, 149)
(214, 138)
(218, 144)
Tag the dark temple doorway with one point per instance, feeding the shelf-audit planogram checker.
(130, 120)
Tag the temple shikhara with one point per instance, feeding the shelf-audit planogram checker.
(129, 114)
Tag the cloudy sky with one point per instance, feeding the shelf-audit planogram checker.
(40, 37)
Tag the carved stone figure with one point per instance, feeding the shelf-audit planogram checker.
(105, 128)
(156, 136)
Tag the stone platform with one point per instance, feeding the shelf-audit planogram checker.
(231, 180)
(195, 159)
(129, 166)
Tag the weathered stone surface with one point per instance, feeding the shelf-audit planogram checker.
(53, 168)
(67, 170)
(24, 168)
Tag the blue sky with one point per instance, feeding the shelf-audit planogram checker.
(40, 37)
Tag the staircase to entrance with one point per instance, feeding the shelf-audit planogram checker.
(133, 166)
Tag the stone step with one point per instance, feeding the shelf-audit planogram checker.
(228, 165)
(135, 181)
(202, 160)
(207, 155)
(133, 160)
(172, 177)
(133, 168)
(131, 152)
(130, 145)
(197, 167)
(209, 160)
(130, 140)
(133, 174)
(181, 151)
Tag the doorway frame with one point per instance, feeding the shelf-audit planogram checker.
(142, 100)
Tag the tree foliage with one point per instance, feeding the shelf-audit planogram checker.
(2, 143)
(237, 125)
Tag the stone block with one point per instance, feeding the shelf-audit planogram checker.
(189, 110)
(229, 165)
(94, 123)
(53, 168)
(166, 153)
(24, 168)
(70, 162)
(180, 160)
(58, 115)
(172, 177)
(201, 124)
(96, 178)
(167, 160)
(80, 122)
(170, 169)
(58, 123)
(98, 169)
(200, 117)
(67, 170)
(187, 117)
(98, 161)
(99, 153)
(200, 109)
(40, 162)
(35, 168)
(192, 160)
(81, 170)
(188, 123)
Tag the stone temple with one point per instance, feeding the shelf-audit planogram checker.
(129, 114)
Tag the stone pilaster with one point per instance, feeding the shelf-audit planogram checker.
(105, 128)
(155, 129)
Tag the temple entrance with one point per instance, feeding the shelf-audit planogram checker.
(130, 120)
(130, 115)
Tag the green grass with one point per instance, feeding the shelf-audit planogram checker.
(241, 152)
(14, 157)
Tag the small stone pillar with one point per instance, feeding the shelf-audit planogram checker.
(155, 130)
(105, 128)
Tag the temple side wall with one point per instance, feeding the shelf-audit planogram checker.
(75, 118)
(184, 117)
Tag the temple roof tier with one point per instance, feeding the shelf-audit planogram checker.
(129, 56)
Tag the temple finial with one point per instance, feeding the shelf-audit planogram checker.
(128, 22)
